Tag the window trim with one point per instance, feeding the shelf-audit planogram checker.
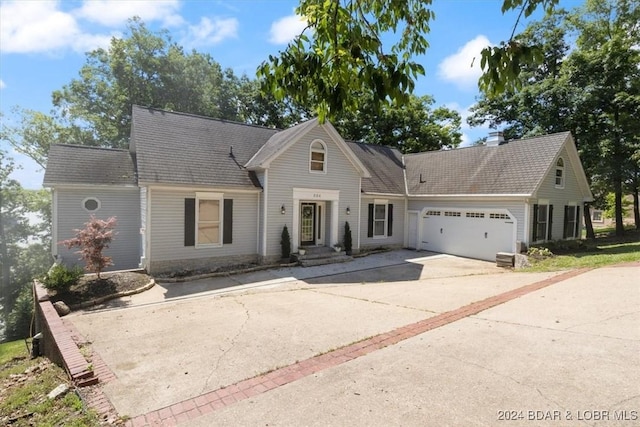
(312, 150)
(385, 220)
(209, 196)
(548, 221)
(571, 228)
(559, 168)
(86, 199)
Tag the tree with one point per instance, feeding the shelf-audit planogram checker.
(602, 113)
(341, 52)
(411, 128)
(24, 252)
(92, 240)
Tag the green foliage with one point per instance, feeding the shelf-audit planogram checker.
(602, 115)
(539, 252)
(60, 278)
(411, 128)
(285, 243)
(341, 52)
(606, 254)
(348, 242)
(610, 206)
(19, 319)
(93, 239)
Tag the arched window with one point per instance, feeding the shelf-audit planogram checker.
(560, 173)
(318, 157)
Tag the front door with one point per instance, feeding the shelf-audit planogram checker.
(307, 223)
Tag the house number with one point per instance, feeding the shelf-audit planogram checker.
(317, 196)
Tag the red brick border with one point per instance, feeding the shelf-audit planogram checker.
(192, 408)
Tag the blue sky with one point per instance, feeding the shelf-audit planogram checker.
(43, 45)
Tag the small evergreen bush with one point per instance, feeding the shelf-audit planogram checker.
(285, 243)
(348, 243)
(60, 278)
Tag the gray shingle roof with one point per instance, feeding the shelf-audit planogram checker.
(278, 142)
(385, 166)
(178, 148)
(513, 168)
(79, 164)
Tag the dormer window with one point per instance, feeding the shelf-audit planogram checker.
(560, 173)
(318, 157)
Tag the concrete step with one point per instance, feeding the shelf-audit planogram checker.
(326, 260)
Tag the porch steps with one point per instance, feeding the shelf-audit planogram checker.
(321, 255)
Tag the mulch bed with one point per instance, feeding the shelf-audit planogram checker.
(89, 287)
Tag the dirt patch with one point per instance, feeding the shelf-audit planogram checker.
(90, 288)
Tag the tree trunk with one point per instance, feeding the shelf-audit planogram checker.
(5, 284)
(588, 225)
(636, 208)
(617, 186)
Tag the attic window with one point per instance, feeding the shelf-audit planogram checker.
(560, 173)
(91, 204)
(318, 157)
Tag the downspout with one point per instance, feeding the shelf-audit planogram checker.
(265, 209)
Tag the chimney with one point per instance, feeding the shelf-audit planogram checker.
(495, 138)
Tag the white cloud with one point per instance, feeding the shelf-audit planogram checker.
(209, 32)
(285, 29)
(113, 13)
(2, 84)
(463, 67)
(35, 26)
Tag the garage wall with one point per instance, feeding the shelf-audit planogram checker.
(515, 208)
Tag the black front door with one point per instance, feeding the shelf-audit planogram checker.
(307, 223)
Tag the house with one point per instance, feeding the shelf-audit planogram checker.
(194, 192)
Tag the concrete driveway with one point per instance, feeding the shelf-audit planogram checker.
(573, 346)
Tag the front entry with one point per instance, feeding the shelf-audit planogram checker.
(310, 223)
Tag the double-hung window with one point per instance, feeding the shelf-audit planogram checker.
(542, 222)
(560, 173)
(571, 221)
(380, 220)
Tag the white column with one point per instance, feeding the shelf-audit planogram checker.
(334, 222)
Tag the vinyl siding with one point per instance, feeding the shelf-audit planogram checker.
(122, 203)
(515, 208)
(167, 226)
(397, 237)
(291, 170)
(559, 197)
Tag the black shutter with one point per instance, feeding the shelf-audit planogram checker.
(565, 232)
(534, 228)
(370, 221)
(578, 219)
(390, 220)
(189, 222)
(227, 230)
(550, 223)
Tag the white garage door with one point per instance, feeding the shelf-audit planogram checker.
(470, 233)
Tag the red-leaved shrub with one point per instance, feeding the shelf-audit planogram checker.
(92, 240)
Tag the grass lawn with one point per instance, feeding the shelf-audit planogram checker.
(605, 250)
(24, 385)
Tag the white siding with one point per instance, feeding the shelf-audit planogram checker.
(559, 197)
(291, 169)
(167, 226)
(122, 203)
(515, 208)
(397, 237)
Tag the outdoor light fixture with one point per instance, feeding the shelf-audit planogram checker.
(283, 210)
(348, 210)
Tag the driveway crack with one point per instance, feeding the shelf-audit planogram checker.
(373, 301)
(232, 343)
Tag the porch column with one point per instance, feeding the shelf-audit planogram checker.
(295, 226)
(335, 220)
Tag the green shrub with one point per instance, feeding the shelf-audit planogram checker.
(539, 252)
(19, 319)
(348, 242)
(285, 243)
(60, 278)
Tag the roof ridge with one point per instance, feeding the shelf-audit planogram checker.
(200, 116)
(92, 147)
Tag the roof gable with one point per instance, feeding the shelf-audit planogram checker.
(280, 142)
(515, 168)
(82, 165)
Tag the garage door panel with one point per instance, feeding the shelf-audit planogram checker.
(475, 234)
